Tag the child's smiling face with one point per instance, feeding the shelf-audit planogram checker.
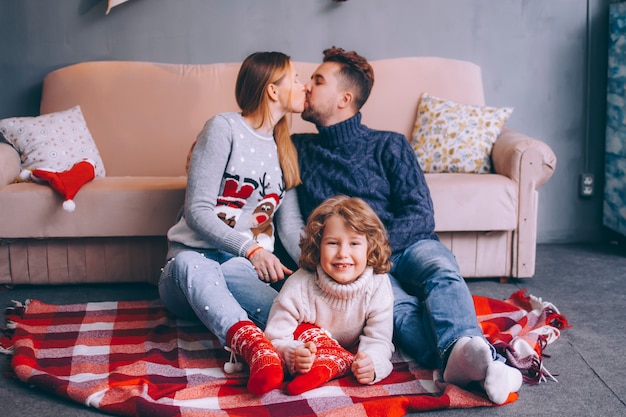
(343, 252)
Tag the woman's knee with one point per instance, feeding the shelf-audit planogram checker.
(184, 260)
(239, 267)
(190, 266)
(170, 291)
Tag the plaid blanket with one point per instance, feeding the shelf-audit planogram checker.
(135, 359)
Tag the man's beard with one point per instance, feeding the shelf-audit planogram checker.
(312, 116)
(308, 115)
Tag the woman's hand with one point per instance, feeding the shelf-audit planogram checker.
(268, 266)
(363, 368)
(303, 357)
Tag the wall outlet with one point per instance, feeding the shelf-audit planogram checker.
(586, 185)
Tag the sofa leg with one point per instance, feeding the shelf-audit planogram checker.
(504, 280)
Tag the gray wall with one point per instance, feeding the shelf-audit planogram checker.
(532, 54)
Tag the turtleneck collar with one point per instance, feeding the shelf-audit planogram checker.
(342, 132)
(338, 291)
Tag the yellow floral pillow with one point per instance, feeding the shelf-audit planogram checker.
(454, 137)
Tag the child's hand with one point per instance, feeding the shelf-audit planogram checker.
(363, 368)
(304, 357)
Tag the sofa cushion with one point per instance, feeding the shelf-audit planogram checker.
(470, 202)
(148, 206)
(54, 141)
(110, 206)
(455, 137)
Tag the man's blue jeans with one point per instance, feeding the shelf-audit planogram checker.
(433, 306)
(218, 288)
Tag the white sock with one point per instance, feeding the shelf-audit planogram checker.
(468, 361)
(501, 380)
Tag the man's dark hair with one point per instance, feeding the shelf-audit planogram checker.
(355, 71)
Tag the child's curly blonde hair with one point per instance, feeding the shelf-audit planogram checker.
(360, 218)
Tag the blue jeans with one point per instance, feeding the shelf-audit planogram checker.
(433, 306)
(218, 288)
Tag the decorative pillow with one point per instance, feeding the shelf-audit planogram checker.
(454, 137)
(54, 141)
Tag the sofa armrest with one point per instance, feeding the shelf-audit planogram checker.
(530, 163)
(9, 164)
(518, 156)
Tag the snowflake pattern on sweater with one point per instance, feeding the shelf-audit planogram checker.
(234, 188)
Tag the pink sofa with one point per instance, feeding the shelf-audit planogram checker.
(144, 117)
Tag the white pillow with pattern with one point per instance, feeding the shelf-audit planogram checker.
(54, 141)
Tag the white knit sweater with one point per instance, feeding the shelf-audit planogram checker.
(359, 313)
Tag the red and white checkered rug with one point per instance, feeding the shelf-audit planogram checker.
(135, 359)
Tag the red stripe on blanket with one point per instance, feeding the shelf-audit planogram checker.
(135, 359)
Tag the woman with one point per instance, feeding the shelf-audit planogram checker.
(220, 261)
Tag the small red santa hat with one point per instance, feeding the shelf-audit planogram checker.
(271, 198)
(67, 183)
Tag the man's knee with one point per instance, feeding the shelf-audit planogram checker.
(432, 255)
(405, 306)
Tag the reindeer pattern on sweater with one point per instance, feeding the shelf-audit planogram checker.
(235, 186)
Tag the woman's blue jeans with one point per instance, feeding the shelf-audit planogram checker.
(433, 306)
(218, 288)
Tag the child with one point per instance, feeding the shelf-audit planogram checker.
(339, 299)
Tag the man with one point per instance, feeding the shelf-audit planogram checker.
(434, 316)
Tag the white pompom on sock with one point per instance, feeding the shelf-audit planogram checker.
(232, 365)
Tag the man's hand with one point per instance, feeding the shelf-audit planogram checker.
(304, 356)
(363, 368)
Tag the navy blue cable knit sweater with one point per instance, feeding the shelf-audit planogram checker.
(379, 167)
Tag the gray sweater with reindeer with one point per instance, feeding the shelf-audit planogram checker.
(236, 193)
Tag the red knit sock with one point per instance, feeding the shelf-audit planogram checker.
(331, 360)
(266, 366)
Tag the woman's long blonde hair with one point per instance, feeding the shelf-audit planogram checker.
(257, 72)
